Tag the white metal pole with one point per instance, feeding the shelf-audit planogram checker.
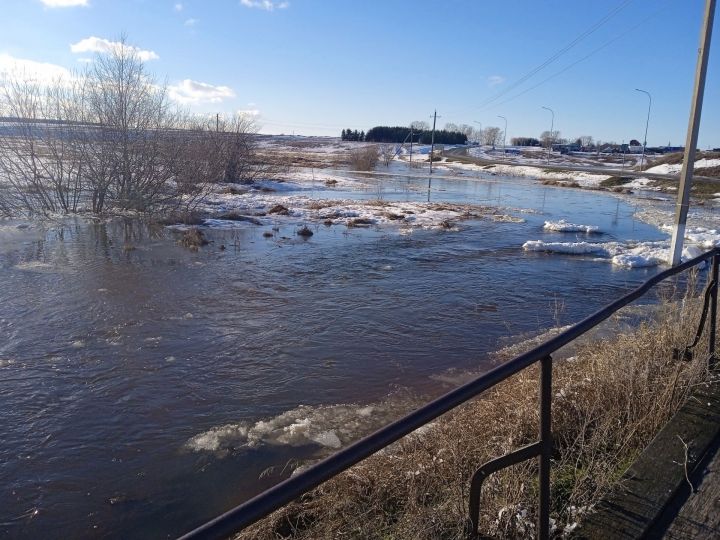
(683, 200)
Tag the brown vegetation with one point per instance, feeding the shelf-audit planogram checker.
(193, 239)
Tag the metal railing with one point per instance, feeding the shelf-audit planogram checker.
(279, 495)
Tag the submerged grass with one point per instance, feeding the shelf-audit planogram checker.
(610, 399)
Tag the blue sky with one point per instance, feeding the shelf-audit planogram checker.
(317, 66)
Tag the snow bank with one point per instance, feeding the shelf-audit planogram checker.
(674, 168)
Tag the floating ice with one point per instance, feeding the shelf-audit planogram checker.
(330, 427)
(564, 226)
(629, 255)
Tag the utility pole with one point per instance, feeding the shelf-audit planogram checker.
(623, 161)
(647, 123)
(683, 200)
(432, 142)
(217, 122)
(552, 126)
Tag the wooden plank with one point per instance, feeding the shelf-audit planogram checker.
(656, 485)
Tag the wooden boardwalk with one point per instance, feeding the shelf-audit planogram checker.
(654, 498)
(699, 517)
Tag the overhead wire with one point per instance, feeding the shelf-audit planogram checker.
(591, 30)
(566, 68)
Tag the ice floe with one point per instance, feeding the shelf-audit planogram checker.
(325, 426)
(564, 226)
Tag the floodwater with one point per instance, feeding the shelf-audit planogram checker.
(147, 388)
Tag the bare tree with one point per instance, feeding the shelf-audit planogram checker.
(134, 115)
(451, 127)
(420, 125)
(586, 141)
(492, 136)
(547, 138)
(387, 153)
(110, 139)
(40, 161)
(467, 130)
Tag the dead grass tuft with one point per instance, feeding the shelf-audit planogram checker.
(610, 399)
(193, 239)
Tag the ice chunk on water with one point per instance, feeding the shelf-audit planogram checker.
(329, 426)
(564, 226)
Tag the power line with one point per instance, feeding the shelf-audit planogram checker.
(559, 53)
(556, 55)
(592, 53)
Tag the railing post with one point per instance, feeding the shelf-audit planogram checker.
(545, 446)
(713, 310)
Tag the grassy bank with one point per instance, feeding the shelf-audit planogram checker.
(610, 398)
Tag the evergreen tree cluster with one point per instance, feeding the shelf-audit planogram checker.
(398, 134)
(350, 135)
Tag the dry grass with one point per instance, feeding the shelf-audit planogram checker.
(610, 399)
(193, 239)
(320, 204)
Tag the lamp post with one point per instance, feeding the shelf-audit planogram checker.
(647, 123)
(504, 132)
(479, 132)
(552, 126)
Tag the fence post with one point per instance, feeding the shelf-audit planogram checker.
(713, 310)
(545, 446)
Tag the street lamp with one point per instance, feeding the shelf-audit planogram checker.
(647, 122)
(504, 133)
(479, 131)
(552, 126)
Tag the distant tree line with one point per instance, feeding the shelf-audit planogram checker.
(399, 134)
(350, 135)
(524, 141)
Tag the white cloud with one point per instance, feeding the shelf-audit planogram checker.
(85, 60)
(64, 3)
(178, 7)
(189, 91)
(249, 112)
(100, 45)
(191, 22)
(494, 80)
(267, 5)
(41, 72)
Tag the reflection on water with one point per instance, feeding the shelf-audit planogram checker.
(146, 387)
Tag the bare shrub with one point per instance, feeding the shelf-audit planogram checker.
(109, 139)
(387, 153)
(364, 158)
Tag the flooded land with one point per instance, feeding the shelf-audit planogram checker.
(149, 387)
